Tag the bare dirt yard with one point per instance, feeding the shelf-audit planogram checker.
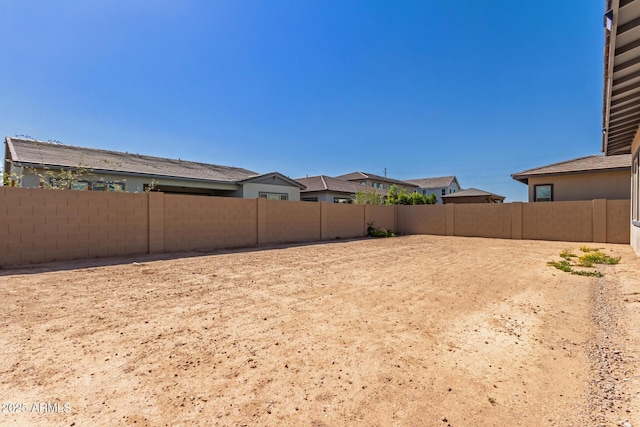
(408, 331)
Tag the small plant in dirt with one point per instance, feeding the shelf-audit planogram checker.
(372, 231)
(567, 254)
(492, 400)
(590, 257)
(561, 265)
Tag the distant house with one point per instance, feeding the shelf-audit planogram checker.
(323, 188)
(440, 186)
(472, 195)
(33, 164)
(376, 181)
(584, 178)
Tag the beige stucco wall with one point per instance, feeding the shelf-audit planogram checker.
(635, 227)
(586, 186)
(252, 190)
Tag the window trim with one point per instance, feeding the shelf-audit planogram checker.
(535, 192)
(635, 188)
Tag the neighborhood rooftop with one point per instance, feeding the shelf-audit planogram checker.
(38, 154)
(327, 183)
(437, 182)
(355, 176)
(593, 163)
(471, 192)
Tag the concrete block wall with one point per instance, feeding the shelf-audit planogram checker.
(342, 221)
(289, 222)
(618, 224)
(480, 220)
(565, 221)
(196, 222)
(425, 219)
(39, 225)
(50, 225)
(380, 217)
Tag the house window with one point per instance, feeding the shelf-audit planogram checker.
(382, 186)
(274, 196)
(341, 200)
(444, 192)
(309, 199)
(363, 183)
(543, 193)
(375, 185)
(107, 186)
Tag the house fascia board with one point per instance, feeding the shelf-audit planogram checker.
(524, 178)
(275, 174)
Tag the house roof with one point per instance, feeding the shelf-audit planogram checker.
(588, 164)
(357, 176)
(621, 100)
(472, 192)
(335, 185)
(38, 153)
(441, 181)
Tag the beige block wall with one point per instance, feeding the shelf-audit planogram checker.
(568, 221)
(380, 217)
(49, 225)
(44, 225)
(197, 222)
(480, 220)
(341, 221)
(586, 186)
(618, 221)
(425, 219)
(635, 227)
(288, 222)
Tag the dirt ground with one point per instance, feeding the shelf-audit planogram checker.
(418, 330)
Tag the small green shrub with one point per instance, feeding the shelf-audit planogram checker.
(590, 258)
(378, 232)
(561, 265)
(586, 249)
(567, 254)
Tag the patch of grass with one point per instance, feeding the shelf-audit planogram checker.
(567, 254)
(378, 232)
(590, 258)
(561, 265)
(587, 273)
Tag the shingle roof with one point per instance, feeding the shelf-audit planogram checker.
(441, 181)
(470, 192)
(588, 164)
(38, 153)
(327, 183)
(356, 176)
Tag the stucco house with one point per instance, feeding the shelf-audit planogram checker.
(440, 186)
(621, 100)
(369, 180)
(472, 195)
(324, 188)
(584, 178)
(32, 164)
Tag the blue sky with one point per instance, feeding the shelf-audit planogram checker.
(425, 88)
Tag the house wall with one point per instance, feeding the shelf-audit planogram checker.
(453, 188)
(252, 190)
(133, 184)
(635, 197)
(326, 196)
(586, 186)
(38, 225)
